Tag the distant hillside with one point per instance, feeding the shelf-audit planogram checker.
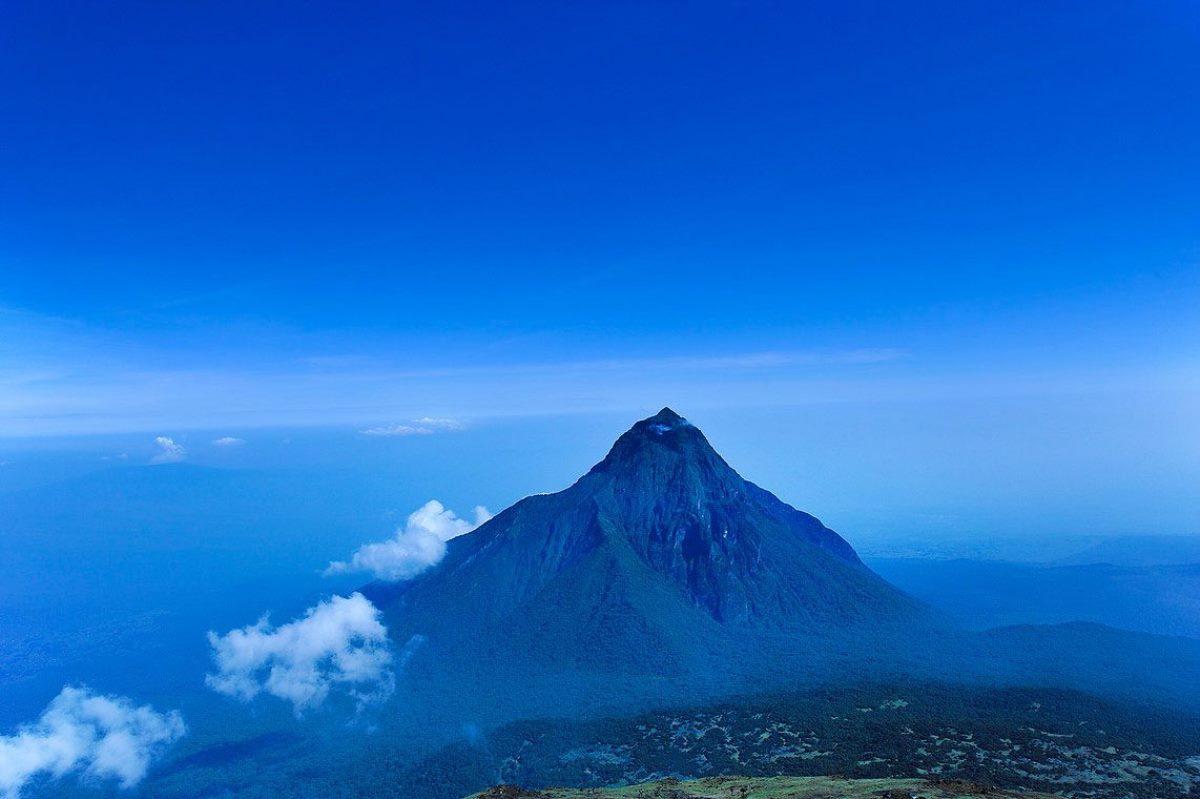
(1140, 550)
(1164, 600)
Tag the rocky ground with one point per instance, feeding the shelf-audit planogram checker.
(1018, 740)
(769, 788)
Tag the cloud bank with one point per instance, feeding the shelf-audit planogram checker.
(421, 543)
(228, 441)
(169, 451)
(425, 426)
(102, 737)
(338, 644)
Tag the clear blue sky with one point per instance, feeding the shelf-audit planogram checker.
(257, 214)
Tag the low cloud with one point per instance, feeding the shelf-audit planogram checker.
(80, 732)
(228, 441)
(168, 451)
(339, 644)
(425, 426)
(419, 544)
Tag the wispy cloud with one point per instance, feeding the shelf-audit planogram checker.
(439, 423)
(425, 426)
(101, 737)
(63, 376)
(748, 360)
(397, 430)
(169, 451)
(228, 441)
(421, 543)
(339, 644)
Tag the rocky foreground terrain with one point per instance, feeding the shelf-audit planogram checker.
(1028, 741)
(769, 788)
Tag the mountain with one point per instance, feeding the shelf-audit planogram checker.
(660, 560)
(662, 576)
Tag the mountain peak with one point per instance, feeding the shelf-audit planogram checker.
(664, 437)
(665, 416)
(663, 422)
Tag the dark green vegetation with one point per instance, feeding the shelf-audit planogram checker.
(728, 787)
(1016, 739)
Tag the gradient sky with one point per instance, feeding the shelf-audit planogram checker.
(976, 219)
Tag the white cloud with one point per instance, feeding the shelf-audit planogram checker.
(169, 451)
(103, 737)
(228, 441)
(425, 426)
(421, 543)
(339, 643)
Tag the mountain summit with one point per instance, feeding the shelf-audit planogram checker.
(660, 559)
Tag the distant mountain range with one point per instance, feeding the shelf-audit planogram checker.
(1139, 550)
(1045, 550)
(980, 594)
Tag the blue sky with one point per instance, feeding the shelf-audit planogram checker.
(879, 215)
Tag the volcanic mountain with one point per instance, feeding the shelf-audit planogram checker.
(660, 560)
(663, 578)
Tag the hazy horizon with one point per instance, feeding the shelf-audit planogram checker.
(874, 471)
